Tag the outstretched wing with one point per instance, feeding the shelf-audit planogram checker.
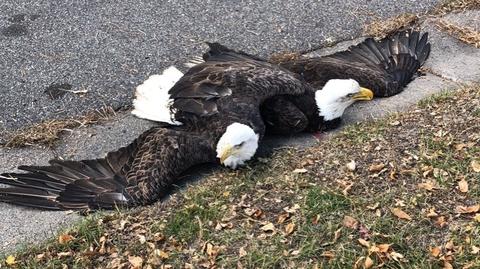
(384, 66)
(138, 174)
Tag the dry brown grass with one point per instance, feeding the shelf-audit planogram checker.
(47, 132)
(285, 56)
(465, 34)
(381, 28)
(448, 6)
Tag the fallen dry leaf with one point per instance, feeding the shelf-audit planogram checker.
(289, 228)
(435, 251)
(364, 242)
(328, 254)
(269, 227)
(429, 185)
(283, 217)
(440, 222)
(350, 222)
(467, 209)
(242, 252)
(400, 214)
(475, 250)
(431, 213)
(376, 167)
(65, 238)
(447, 265)
(383, 248)
(300, 171)
(463, 185)
(162, 254)
(135, 261)
(368, 263)
(475, 166)
(10, 260)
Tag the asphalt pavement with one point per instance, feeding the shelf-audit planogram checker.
(64, 58)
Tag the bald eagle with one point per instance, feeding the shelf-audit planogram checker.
(385, 66)
(212, 114)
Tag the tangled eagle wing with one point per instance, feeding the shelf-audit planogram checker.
(384, 66)
(138, 174)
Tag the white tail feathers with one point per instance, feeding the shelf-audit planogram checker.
(152, 101)
(194, 61)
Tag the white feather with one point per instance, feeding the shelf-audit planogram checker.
(152, 101)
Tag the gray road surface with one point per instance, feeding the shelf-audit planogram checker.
(106, 48)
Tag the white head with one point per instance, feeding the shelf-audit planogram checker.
(337, 95)
(237, 145)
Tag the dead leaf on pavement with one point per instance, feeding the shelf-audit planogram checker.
(400, 214)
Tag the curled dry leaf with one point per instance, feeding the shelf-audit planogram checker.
(289, 228)
(475, 250)
(350, 222)
(283, 217)
(463, 185)
(65, 238)
(135, 261)
(435, 251)
(269, 227)
(401, 214)
(383, 248)
(364, 242)
(368, 263)
(376, 167)
(467, 209)
(475, 166)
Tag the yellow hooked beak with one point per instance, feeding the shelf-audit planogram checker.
(364, 94)
(226, 153)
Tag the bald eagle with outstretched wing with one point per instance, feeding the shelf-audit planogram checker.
(213, 114)
(385, 67)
